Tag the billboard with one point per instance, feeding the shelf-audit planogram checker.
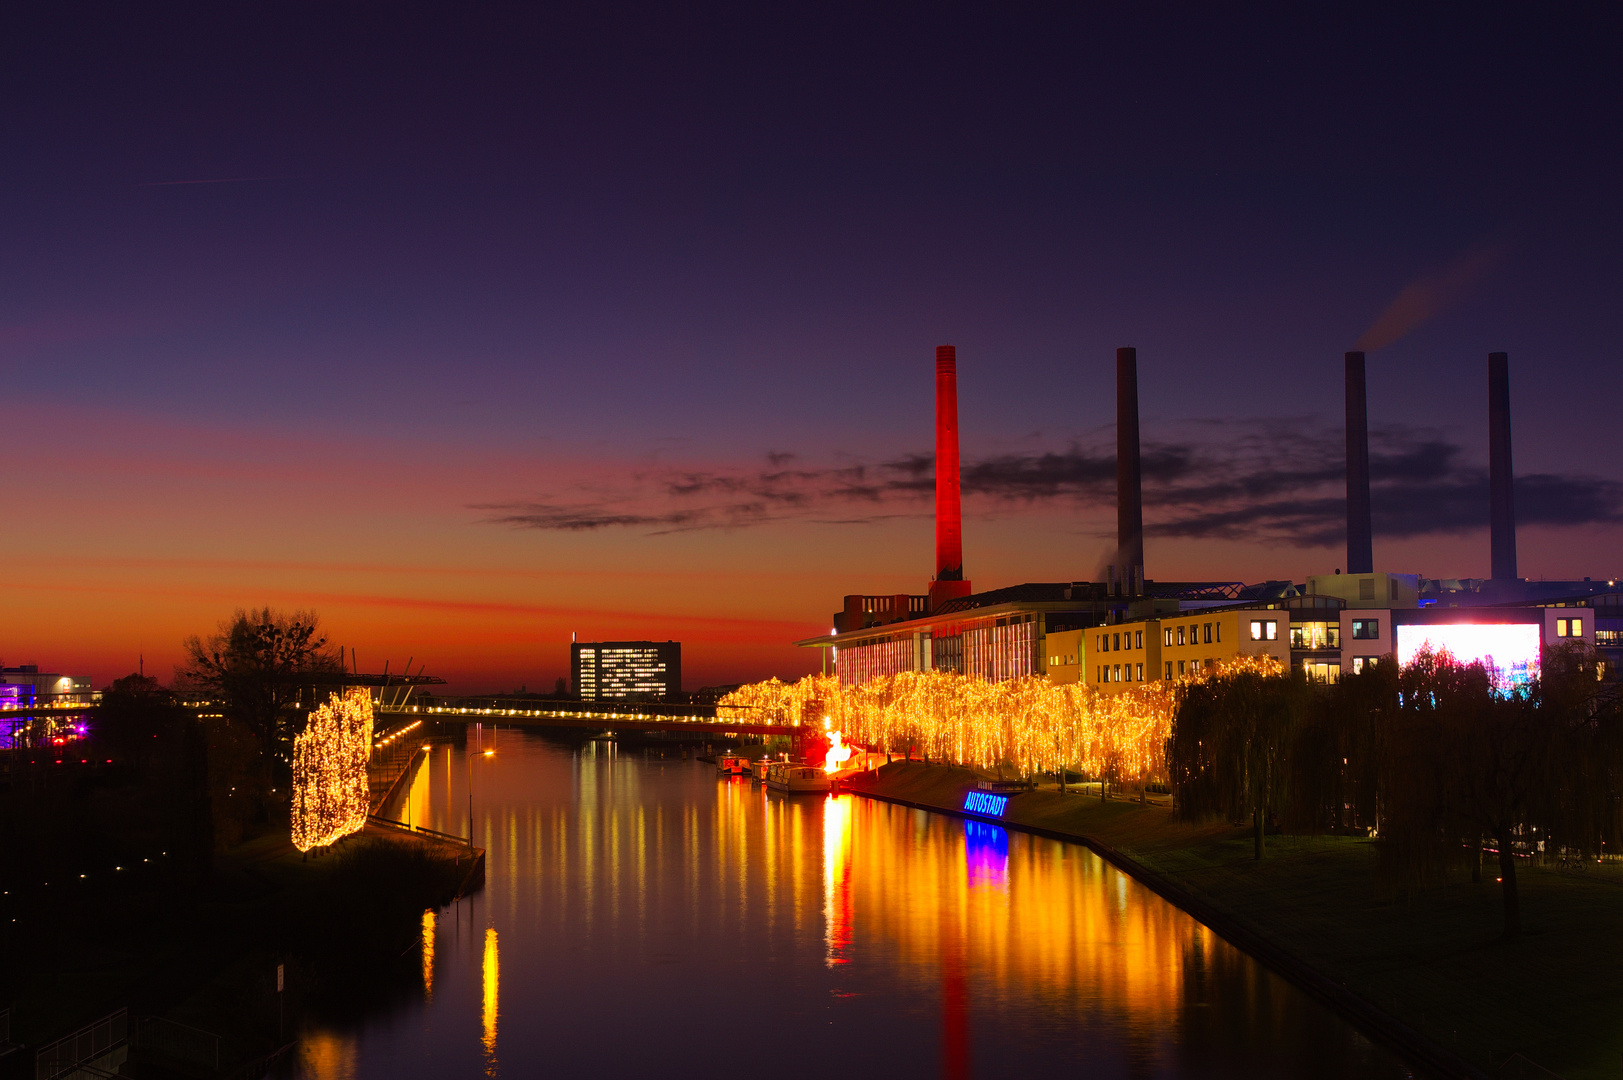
(1511, 649)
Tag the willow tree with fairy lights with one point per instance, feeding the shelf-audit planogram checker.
(1032, 724)
(331, 794)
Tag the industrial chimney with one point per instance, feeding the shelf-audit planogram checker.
(949, 583)
(1129, 476)
(1360, 531)
(1501, 498)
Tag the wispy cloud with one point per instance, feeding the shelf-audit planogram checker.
(1269, 481)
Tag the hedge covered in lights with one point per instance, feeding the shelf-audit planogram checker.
(1030, 723)
(330, 791)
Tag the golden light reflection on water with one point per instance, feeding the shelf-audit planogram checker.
(327, 1055)
(428, 955)
(961, 925)
(1026, 913)
(491, 973)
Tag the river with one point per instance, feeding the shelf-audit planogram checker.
(648, 917)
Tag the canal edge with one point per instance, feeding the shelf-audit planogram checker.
(1368, 1017)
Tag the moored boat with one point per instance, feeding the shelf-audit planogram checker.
(792, 779)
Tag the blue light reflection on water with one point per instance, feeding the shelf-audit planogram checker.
(643, 917)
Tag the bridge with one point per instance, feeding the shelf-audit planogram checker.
(602, 715)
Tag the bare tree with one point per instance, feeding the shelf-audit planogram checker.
(1230, 746)
(261, 666)
(1463, 759)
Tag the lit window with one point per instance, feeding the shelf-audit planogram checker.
(1115, 674)
(1366, 629)
(1256, 630)
(1169, 669)
(1206, 632)
(1180, 635)
(1138, 639)
(1168, 641)
(1140, 672)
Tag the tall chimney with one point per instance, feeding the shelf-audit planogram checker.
(1501, 497)
(949, 580)
(1129, 474)
(1360, 531)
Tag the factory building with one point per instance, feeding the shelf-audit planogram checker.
(1129, 629)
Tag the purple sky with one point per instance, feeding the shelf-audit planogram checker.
(626, 318)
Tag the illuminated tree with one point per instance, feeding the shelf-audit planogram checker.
(331, 795)
(1030, 723)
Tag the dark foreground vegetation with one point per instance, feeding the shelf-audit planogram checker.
(151, 868)
(1441, 762)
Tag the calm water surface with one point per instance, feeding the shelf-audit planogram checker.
(647, 917)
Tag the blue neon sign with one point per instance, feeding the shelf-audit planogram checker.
(979, 802)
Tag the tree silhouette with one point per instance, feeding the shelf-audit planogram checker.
(1230, 749)
(1463, 758)
(261, 666)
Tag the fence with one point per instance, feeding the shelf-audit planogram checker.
(389, 823)
(178, 1042)
(89, 1043)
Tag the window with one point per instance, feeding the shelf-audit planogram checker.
(1138, 639)
(1366, 629)
(1115, 674)
(1140, 672)
(1569, 628)
(1217, 629)
(1264, 630)
(1363, 663)
(1169, 664)
(1180, 635)
(1181, 668)
(1168, 642)
(1206, 632)
(1115, 645)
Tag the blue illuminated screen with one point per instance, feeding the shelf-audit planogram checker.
(979, 802)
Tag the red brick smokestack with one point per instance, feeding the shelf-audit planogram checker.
(949, 580)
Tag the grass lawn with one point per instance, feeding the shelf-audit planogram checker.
(1434, 959)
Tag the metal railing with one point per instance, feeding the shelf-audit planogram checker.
(90, 1042)
(178, 1042)
(390, 823)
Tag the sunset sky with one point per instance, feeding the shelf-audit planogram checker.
(476, 327)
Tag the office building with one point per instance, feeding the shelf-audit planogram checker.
(622, 670)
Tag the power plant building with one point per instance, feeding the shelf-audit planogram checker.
(1130, 629)
(624, 670)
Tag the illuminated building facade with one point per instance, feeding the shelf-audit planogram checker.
(45, 687)
(620, 670)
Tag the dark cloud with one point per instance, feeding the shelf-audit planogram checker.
(1273, 482)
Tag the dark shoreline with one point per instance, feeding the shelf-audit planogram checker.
(1363, 1014)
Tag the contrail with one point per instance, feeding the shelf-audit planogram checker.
(221, 180)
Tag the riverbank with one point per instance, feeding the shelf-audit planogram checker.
(1431, 963)
(205, 953)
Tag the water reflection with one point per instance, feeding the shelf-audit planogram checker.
(492, 968)
(651, 896)
(427, 946)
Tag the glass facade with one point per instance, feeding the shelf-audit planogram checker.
(1007, 649)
